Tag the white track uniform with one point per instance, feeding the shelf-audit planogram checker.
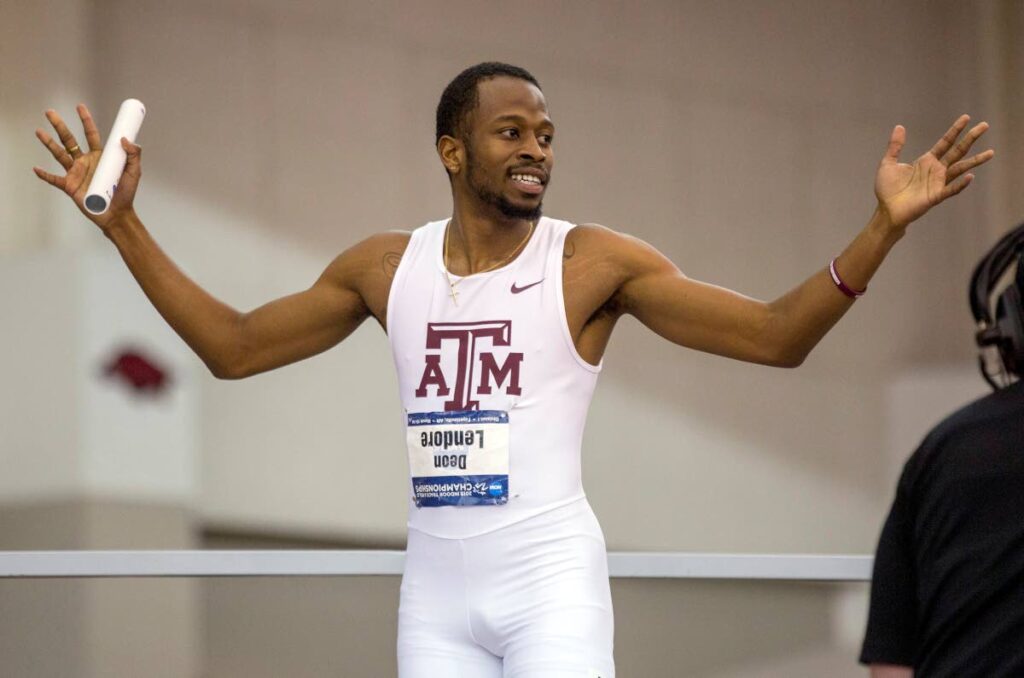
(506, 572)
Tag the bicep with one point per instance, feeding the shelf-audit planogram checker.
(299, 326)
(692, 313)
(303, 324)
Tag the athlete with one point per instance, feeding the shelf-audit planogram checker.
(498, 318)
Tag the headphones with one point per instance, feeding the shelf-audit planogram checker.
(1004, 331)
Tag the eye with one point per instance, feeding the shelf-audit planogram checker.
(546, 139)
(510, 133)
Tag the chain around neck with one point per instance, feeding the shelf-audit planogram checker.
(447, 275)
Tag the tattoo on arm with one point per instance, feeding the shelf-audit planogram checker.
(390, 263)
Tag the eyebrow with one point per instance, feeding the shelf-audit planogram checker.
(511, 117)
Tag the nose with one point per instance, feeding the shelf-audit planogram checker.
(532, 150)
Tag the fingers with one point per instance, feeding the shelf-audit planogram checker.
(59, 153)
(130, 178)
(66, 151)
(949, 138)
(67, 139)
(133, 166)
(92, 135)
(959, 168)
(896, 141)
(955, 187)
(51, 179)
(960, 149)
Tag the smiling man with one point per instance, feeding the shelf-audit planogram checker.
(498, 318)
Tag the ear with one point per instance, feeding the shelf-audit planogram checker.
(453, 154)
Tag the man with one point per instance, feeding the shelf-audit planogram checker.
(498, 319)
(947, 594)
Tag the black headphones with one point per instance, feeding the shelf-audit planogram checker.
(1006, 330)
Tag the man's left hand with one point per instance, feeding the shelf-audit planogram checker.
(905, 192)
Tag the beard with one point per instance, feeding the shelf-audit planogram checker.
(495, 199)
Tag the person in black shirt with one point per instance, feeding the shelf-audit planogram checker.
(947, 593)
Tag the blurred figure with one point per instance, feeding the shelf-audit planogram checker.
(947, 594)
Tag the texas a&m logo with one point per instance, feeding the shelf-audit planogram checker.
(478, 370)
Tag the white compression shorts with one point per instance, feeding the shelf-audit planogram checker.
(530, 600)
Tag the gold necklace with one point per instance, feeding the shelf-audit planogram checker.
(451, 285)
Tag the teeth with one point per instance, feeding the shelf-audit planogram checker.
(528, 178)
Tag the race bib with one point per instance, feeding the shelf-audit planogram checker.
(458, 458)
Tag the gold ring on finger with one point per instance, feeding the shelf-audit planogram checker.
(74, 148)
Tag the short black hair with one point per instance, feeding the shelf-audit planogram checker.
(460, 97)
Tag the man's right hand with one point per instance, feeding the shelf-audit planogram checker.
(80, 164)
(233, 345)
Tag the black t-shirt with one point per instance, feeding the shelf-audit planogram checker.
(947, 593)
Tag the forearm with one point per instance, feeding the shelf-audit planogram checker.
(905, 193)
(800, 318)
(211, 328)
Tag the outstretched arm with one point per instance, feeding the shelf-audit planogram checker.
(784, 331)
(232, 344)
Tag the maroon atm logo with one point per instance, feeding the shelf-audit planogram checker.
(477, 371)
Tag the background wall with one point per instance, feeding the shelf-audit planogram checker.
(739, 138)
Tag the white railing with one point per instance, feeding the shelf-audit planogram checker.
(836, 568)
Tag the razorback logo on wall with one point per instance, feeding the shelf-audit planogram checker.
(140, 372)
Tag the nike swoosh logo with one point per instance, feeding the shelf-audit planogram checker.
(517, 290)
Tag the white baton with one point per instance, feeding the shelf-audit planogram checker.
(112, 161)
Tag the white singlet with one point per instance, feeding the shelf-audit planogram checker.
(506, 571)
(501, 354)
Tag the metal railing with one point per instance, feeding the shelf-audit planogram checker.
(306, 563)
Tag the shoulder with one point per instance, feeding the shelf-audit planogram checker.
(387, 246)
(386, 242)
(592, 236)
(368, 263)
(366, 270)
(595, 237)
(990, 425)
(626, 256)
(1002, 411)
(605, 265)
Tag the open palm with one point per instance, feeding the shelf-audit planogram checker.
(905, 192)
